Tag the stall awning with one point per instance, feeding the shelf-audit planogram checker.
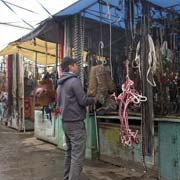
(46, 51)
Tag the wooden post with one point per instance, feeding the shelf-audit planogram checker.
(56, 70)
(147, 89)
(17, 92)
(23, 109)
(36, 69)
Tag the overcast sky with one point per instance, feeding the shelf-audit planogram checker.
(8, 33)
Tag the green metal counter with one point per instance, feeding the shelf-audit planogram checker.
(107, 146)
(113, 151)
(166, 157)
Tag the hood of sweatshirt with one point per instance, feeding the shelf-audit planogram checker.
(65, 76)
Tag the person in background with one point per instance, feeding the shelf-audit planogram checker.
(72, 101)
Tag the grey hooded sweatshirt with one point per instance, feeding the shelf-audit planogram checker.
(71, 98)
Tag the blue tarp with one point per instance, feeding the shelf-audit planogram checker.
(83, 5)
(93, 10)
(76, 7)
(165, 3)
(101, 12)
(170, 4)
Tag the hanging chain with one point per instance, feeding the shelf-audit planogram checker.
(78, 42)
(82, 34)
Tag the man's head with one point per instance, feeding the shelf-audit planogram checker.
(69, 65)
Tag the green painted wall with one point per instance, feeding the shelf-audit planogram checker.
(169, 151)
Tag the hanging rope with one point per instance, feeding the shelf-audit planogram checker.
(131, 19)
(127, 97)
(100, 49)
(152, 61)
(101, 44)
(110, 36)
(136, 62)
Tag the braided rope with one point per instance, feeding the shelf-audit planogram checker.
(128, 96)
(152, 60)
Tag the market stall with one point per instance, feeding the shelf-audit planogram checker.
(39, 70)
(17, 115)
(145, 33)
(46, 122)
(18, 106)
(23, 77)
(128, 54)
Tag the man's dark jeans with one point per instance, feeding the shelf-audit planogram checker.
(75, 134)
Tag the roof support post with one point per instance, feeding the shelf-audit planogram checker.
(147, 89)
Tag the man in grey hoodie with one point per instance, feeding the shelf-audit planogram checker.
(72, 101)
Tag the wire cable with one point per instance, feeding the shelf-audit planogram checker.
(16, 26)
(16, 14)
(44, 8)
(21, 7)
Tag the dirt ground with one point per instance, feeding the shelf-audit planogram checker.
(23, 157)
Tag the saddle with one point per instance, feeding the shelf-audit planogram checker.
(45, 93)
